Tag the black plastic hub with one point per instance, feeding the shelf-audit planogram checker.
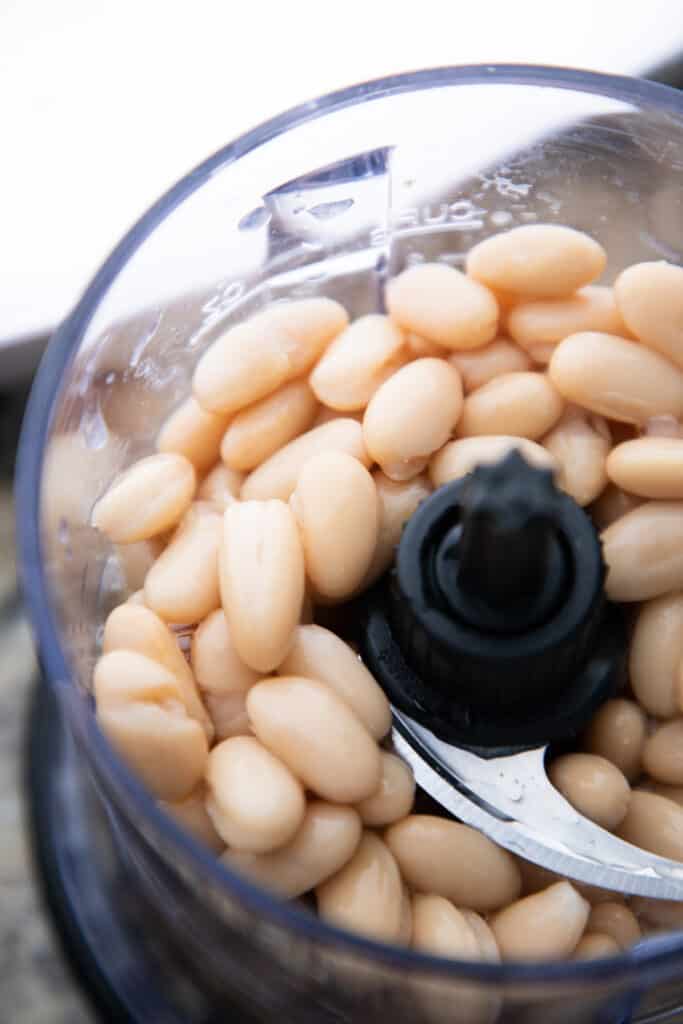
(493, 628)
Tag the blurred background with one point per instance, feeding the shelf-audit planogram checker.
(103, 107)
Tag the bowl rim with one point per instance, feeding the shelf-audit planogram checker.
(661, 955)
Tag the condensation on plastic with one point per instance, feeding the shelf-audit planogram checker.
(329, 198)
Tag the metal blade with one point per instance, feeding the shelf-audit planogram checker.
(511, 800)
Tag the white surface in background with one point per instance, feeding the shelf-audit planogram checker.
(104, 105)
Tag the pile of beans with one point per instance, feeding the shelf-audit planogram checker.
(281, 486)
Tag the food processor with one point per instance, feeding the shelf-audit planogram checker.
(331, 198)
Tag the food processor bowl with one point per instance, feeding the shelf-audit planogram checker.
(330, 198)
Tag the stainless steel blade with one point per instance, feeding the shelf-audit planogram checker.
(511, 800)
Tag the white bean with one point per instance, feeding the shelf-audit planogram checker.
(253, 799)
(594, 786)
(336, 508)
(650, 299)
(581, 444)
(193, 432)
(191, 813)
(544, 261)
(412, 415)
(357, 362)
(616, 377)
(258, 431)
(545, 926)
(521, 404)
(656, 652)
(394, 798)
(663, 753)
(318, 653)
(644, 552)
(539, 326)
(261, 580)
(453, 860)
(221, 486)
(182, 585)
(651, 467)
(217, 667)
(480, 365)
(366, 896)
(617, 732)
(655, 824)
(442, 305)
(254, 358)
(148, 498)
(397, 502)
(317, 735)
(326, 840)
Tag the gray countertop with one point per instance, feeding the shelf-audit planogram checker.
(35, 983)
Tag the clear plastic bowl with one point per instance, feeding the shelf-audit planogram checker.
(329, 198)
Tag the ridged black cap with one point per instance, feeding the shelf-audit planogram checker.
(493, 626)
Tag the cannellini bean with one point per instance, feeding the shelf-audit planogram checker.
(277, 476)
(442, 929)
(258, 431)
(656, 652)
(261, 580)
(458, 458)
(594, 945)
(222, 486)
(663, 753)
(336, 508)
(616, 921)
(522, 404)
(594, 786)
(357, 362)
(651, 467)
(136, 628)
(539, 326)
(193, 432)
(442, 305)
(644, 552)
(366, 896)
(160, 743)
(581, 444)
(617, 733)
(616, 377)
(326, 415)
(397, 502)
(228, 713)
(216, 664)
(661, 426)
(149, 497)
(325, 841)
(666, 914)
(545, 261)
(137, 559)
(479, 366)
(394, 798)
(412, 415)
(121, 677)
(191, 813)
(650, 299)
(138, 598)
(253, 799)
(612, 504)
(655, 824)
(545, 926)
(318, 737)
(453, 860)
(182, 585)
(254, 358)
(318, 653)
